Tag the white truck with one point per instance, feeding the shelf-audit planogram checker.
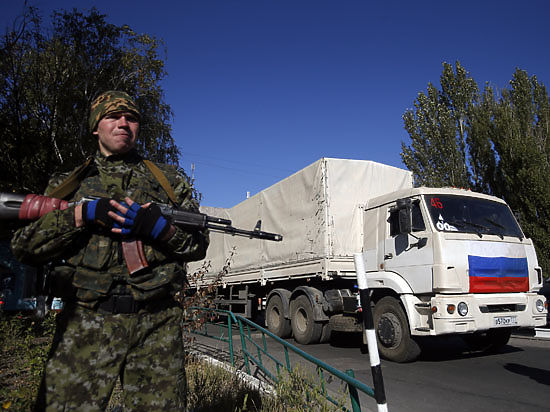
(439, 260)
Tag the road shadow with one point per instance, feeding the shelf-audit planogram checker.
(346, 340)
(445, 348)
(541, 376)
(434, 349)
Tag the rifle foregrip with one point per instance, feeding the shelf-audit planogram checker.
(36, 206)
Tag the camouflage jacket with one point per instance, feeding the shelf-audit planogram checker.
(89, 261)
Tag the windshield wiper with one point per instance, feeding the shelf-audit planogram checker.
(491, 221)
(504, 228)
(464, 223)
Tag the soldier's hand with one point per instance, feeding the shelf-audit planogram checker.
(144, 221)
(96, 212)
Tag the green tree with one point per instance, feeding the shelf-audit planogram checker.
(520, 139)
(48, 79)
(495, 144)
(437, 127)
(480, 147)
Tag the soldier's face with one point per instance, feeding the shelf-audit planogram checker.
(117, 133)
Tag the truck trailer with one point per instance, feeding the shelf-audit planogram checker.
(439, 261)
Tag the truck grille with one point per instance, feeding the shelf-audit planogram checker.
(502, 308)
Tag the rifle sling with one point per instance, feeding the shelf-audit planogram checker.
(73, 181)
(162, 180)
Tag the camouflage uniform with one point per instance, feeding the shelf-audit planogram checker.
(93, 346)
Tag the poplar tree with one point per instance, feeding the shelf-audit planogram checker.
(437, 126)
(493, 142)
(521, 142)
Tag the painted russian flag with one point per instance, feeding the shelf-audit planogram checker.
(498, 274)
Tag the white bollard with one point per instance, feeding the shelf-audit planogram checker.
(370, 333)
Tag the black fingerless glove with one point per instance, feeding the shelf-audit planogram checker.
(149, 222)
(96, 213)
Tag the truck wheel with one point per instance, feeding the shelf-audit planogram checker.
(498, 338)
(275, 318)
(304, 328)
(476, 341)
(492, 340)
(326, 333)
(392, 331)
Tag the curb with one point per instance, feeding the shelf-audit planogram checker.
(542, 333)
(249, 380)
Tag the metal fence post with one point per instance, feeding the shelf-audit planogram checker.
(353, 394)
(230, 335)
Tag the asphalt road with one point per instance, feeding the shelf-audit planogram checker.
(446, 377)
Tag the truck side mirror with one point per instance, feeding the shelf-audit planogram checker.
(405, 215)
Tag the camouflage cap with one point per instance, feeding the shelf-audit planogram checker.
(110, 102)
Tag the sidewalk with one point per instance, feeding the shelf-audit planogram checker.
(543, 333)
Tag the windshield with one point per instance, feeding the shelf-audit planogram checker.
(451, 213)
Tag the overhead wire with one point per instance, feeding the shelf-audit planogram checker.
(189, 157)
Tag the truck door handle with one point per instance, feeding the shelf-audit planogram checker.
(388, 256)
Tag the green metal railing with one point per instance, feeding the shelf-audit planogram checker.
(256, 353)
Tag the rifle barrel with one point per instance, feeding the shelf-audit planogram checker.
(218, 220)
(256, 234)
(10, 203)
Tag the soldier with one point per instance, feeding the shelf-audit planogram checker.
(115, 325)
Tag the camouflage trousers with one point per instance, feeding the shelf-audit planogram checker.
(91, 351)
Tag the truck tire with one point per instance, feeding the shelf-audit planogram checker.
(326, 333)
(492, 340)
(275, 318)
(499, 338)
(392, 332)
(304, 328)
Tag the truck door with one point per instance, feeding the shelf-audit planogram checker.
(409, 255)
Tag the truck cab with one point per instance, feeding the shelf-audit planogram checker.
(455, 261)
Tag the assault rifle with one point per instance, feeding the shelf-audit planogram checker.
(18, 207)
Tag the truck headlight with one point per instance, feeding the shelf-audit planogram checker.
(539, 304)
(462, 309)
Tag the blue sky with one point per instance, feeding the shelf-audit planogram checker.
(262, 88)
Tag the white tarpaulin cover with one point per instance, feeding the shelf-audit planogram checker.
(317, 210)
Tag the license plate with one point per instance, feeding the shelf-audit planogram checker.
(503, 321)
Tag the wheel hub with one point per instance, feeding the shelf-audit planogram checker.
(301, 320)
(389, 330)
(275, 317)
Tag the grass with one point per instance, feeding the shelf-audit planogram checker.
(25, 343)
(215, 389)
